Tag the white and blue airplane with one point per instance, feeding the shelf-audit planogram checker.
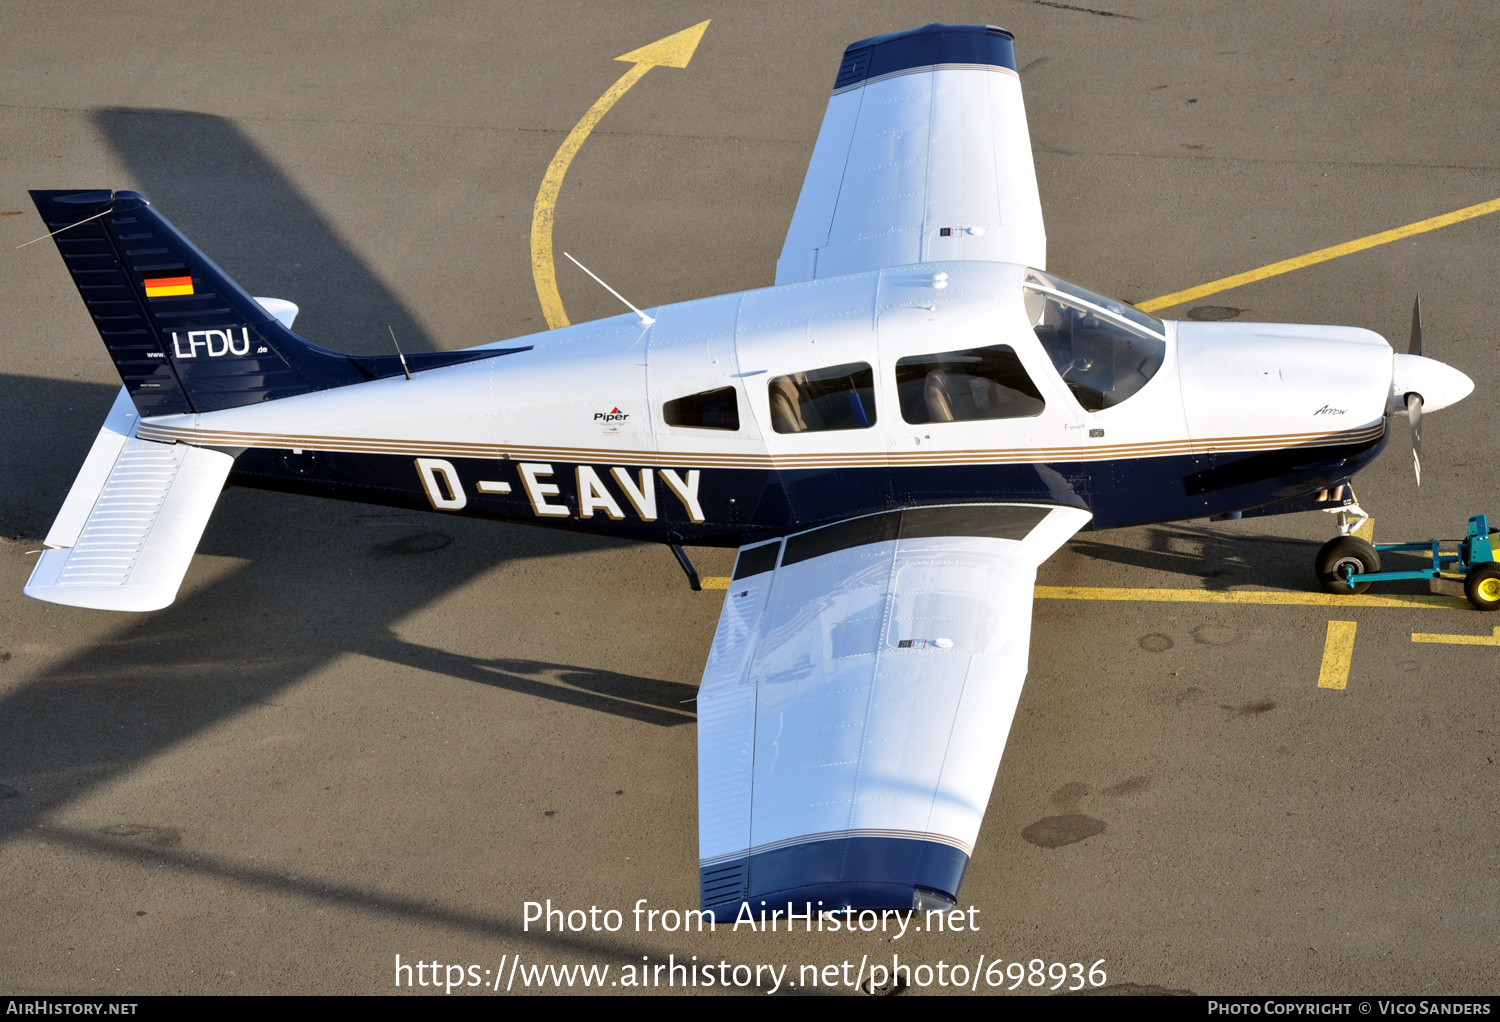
(894, 436)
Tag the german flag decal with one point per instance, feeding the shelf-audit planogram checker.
(161, 285)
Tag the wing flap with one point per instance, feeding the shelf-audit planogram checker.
(818, 201)
(132, 549)
(726, 720)
(852, 726)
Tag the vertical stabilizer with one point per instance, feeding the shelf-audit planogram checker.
(183, 335)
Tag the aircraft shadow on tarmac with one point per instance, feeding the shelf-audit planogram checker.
(216, 184)
(321, 890)
(649, 700)
(310, 586)
(1223, 557)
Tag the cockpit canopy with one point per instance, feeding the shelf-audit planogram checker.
(1104, 349)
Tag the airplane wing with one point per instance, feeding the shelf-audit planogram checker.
(924, 154)
(856, 702)
(130, 524)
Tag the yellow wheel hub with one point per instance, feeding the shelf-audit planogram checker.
(1489, 590)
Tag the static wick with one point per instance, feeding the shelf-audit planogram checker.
(85, 220)
(645, 319)
(398, 351)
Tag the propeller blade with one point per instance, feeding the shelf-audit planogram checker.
(1414, 414)
(1416, 329)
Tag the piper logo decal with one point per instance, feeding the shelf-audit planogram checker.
(611, 420)
(217, 343)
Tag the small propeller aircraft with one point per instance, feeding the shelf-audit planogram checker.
(894, 436)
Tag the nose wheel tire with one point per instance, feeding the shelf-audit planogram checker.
(1482, 586)
(1344, 556)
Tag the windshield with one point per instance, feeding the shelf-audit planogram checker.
(1112, 305)
(1104, 350)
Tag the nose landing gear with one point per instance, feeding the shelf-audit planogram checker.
(1347, 554)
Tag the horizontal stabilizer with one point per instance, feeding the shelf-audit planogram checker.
(129, 526)
(281, 310)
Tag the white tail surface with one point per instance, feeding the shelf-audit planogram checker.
(128, 529)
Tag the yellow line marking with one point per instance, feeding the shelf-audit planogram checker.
(1249, 596)
(1366, 530)
(1338, 650)
(1240, 597)
(673, 51)
(1459, 640)
(1322, 255)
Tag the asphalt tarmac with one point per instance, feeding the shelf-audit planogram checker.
(360, 733)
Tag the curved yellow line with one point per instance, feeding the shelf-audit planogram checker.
(543, 270)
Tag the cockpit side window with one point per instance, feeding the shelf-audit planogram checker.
(712, 409)
(839, 397)
(961, 386)
(1105, 350)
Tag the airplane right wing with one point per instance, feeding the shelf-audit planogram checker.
(924, 155)
(856, 702)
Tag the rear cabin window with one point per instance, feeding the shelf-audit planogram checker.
(839, 397)
(1105, 350)
(961, 386)
(712, 409)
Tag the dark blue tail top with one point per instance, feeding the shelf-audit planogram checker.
(184, 336)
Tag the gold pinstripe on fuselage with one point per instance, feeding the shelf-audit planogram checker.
(768, 461)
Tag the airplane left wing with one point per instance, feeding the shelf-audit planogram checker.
(856, 703)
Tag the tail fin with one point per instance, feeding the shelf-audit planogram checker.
(183, 335)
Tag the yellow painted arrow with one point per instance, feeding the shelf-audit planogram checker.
(673, 51)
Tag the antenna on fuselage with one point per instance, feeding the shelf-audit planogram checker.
(398, 351)
(645, 319)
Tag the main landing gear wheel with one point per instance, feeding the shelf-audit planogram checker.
(1482, 586)
(1344, 556)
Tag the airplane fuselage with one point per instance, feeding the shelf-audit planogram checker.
(586, 429)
